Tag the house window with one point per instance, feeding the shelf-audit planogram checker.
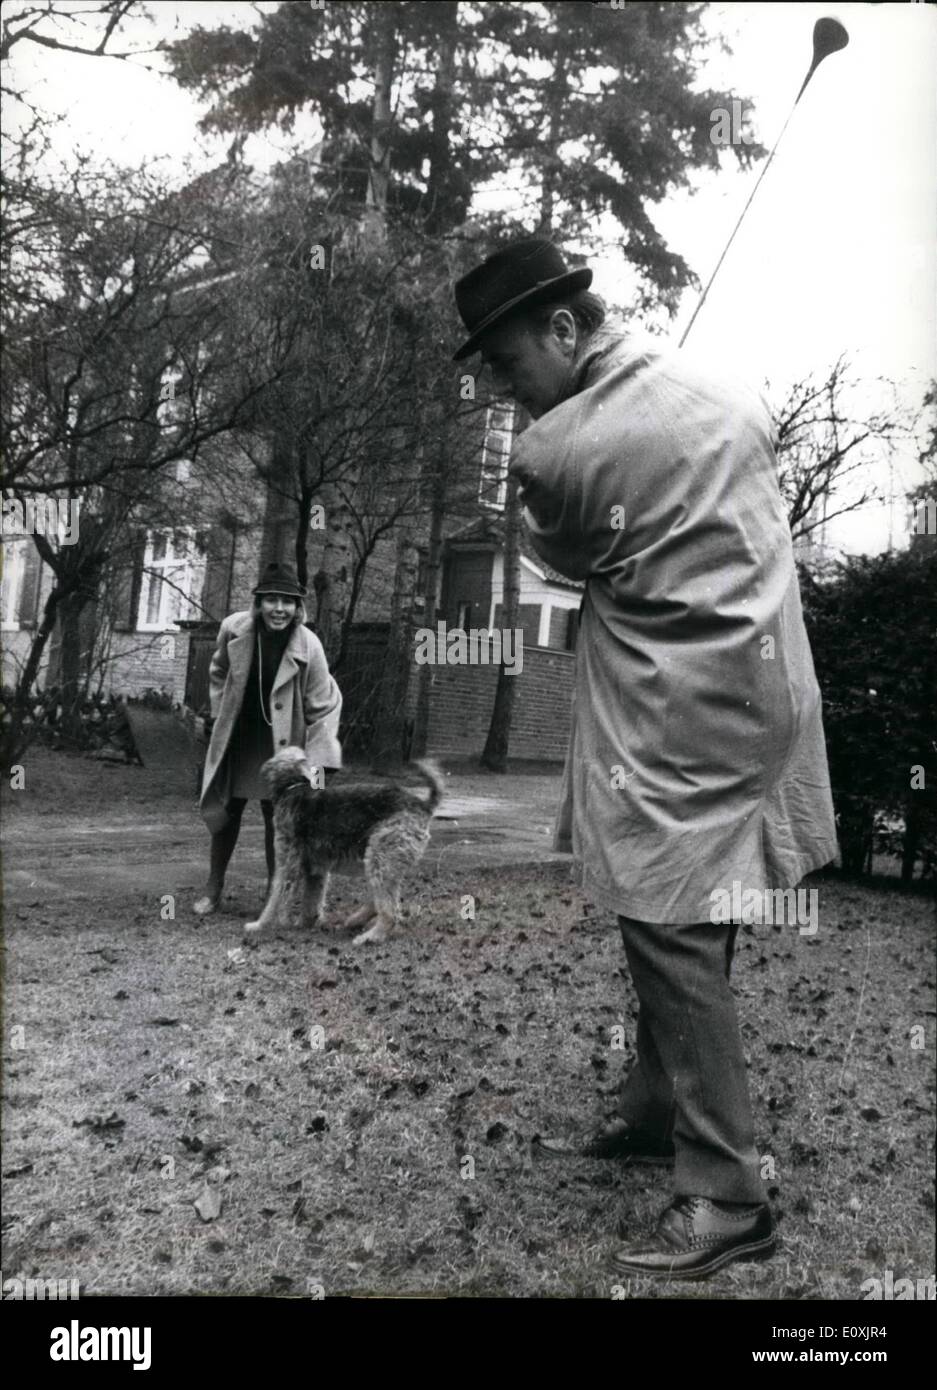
(496, 451)
(173, 573)
(181, 389)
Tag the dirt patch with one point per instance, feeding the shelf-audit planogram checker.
(361, 1120)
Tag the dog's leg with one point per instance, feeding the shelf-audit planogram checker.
(382, 869)
(294, 879)
(314, 895)
(398, 846)
(364, 914)
(280, 888)
(271, 906)
(385, 926)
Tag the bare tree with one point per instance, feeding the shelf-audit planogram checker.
(108, 379)
(823, 443)
(91, 30)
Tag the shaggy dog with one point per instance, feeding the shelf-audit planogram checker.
(385, 826)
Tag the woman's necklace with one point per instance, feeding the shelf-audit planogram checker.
(260, 681)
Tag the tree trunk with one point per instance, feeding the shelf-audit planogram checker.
(431, 602)
(302, 533)
(495, 754)
(16, 739)
(445, 207)
(388, 745)
(333, 580)
(70, 662)
(384, 38)
(551, 161)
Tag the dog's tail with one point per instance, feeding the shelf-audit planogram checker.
(432, 775)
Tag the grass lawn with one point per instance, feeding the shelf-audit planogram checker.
(361, 1120)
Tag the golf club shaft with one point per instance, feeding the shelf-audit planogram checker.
(829, 36)
(702, 299)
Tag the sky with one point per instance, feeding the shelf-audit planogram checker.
(838, 252)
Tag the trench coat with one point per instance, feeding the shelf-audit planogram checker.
(696, 753)
(306, 705)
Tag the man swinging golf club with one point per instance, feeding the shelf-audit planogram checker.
(696, 758)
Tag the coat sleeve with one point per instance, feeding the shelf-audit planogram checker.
(559, 511)
(218, 669)
(322, 707)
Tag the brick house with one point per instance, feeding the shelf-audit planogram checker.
(155, 627)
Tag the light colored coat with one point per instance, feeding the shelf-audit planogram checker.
(696, 755)
(305, 703)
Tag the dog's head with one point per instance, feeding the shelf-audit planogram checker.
(284, 769)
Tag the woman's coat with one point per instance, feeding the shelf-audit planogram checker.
(696, 757)
(305, 705)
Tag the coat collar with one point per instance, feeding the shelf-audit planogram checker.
(611, 348)
(242, 644)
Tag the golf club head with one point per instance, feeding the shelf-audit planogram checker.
(829, 36)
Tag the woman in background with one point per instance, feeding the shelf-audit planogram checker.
(270, 687)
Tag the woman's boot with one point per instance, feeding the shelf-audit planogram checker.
(222, 848)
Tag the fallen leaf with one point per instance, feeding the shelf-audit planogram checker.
(208, 1203)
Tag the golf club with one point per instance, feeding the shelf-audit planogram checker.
(829, 36)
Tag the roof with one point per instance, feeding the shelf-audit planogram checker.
(489, 530)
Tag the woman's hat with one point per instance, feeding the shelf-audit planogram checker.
(531, 271)
(278, 578)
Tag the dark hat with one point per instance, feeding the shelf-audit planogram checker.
(530, 271)
(278, 578)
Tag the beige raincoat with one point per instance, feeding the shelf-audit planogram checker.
(696, 758)
(305, 702)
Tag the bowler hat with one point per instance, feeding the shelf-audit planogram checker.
(530, 271)
(278, 578)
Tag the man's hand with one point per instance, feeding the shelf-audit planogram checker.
(539, 509)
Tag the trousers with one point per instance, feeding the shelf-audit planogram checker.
(689, 1083)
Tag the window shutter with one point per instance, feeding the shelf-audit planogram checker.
(29, 592)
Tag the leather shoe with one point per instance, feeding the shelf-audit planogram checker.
(695, 1237)
(616, 1139)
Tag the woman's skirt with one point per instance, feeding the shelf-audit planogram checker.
(250, 747)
